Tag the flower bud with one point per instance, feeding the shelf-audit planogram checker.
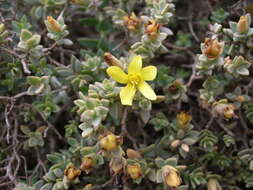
(117, 164)
(185, 147)
(111, 60)
(110, 142)
(71, 172)
(171, 176)
(183, 119)
(87, 164)
(132, 22)
(53, 25)
(212, 48)
(159, 99)
(175, 143)
(134, 171)
(243, 24)
(213, 184)
(2, 28)
(132, 154)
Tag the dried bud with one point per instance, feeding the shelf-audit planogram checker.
(152, 29)
(175, 143)
(88, 187)
(227, 60)
(111, 142)
(229, 111)
(185, 147)
(159, 99)
(53, 24)
(87, 164)
(184, 119)
(225, 110)
(213, 48)
(243, 24)
(132, 154)
(213, 184)
(117, 164)
(132, 22)
(111, 60)
(134, 171)
(71, 172)
(240, 98)
(171, 176)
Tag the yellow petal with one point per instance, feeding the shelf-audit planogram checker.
(146, 90)
(135, 65)
(149, 73)
(117, 74)
(127, 94)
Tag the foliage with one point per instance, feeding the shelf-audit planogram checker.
(151, 94)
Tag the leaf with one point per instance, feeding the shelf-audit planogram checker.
(33, 90)
(115, 112)
(33, 80)
(152, 175)
(251, 165)
(159, 176)
(47, 186)
(189, 141)
(100, 160)
(25, 129)
(159, 162)
(87, 132)
(25, 35)
(73, 142)
(171, 161)
(242, 71)
(55, 158)
(145, 115)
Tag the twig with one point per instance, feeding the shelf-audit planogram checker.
(23, 62)
(192, 31)
(110, 181)
(25, 68)
(124, 131)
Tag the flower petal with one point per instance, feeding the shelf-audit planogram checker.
(146, 90)
(127, 94)
(117, 74)
(135, 65)
(149, 73)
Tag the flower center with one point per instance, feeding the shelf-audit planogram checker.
(134, 79)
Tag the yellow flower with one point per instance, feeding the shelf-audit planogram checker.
(152, 29)
(71, 172)
(111, 142)
(132, 22)
(183, 119)
(134, 80)
(213, 48)
(171, 176)
(134, 171)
